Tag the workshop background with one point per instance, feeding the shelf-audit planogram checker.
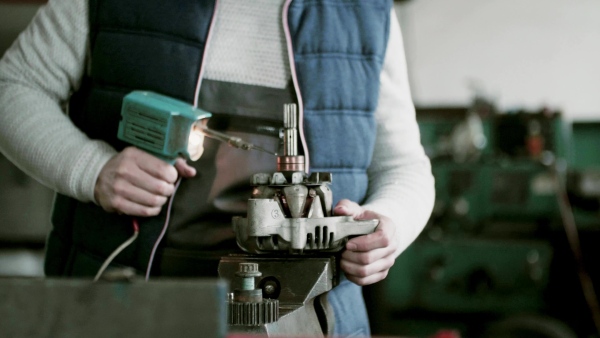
(507, 102)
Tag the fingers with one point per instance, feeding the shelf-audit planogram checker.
(368, 258)
(370, 266)
(348, 208)
(136, 183)
(369, 273)
(127, 207)
(152, 165)
(384, 236)
(142, 180)
(184, 169)
(140, 196)
(371, 279)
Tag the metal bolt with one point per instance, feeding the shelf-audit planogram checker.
(247, 272)
(269, 289)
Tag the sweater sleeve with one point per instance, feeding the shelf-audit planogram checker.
(37, 75)
(401, 185)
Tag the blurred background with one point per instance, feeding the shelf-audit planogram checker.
(25, 204)
(507, 101)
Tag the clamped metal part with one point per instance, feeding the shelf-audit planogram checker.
(246, 305)
(298, 283)
(291, 211)
(290, 162)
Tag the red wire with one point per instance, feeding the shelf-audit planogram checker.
(136, 226)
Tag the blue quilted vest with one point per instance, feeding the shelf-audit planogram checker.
(338, 46)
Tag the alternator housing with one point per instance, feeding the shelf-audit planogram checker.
(294, 214)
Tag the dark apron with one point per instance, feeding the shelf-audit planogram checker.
(200, 230)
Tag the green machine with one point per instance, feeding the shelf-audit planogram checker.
(489, 251)
(163, 126)
(169, 128)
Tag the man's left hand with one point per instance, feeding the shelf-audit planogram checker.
(367, 259)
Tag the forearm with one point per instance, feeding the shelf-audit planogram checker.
(401, 185)
(42, 141)
(406, 196)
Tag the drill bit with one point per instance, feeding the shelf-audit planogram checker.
(233, 141)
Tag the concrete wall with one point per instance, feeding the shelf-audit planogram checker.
(522, 53)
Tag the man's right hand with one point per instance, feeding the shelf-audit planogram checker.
(136, 183)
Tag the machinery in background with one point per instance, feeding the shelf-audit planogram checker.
(494, 251)
(24, 223)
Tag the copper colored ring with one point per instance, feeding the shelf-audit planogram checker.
(290, 163)
(290, 159)
(248, 296)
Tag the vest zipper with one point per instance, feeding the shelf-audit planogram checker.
(290, 51)
(204, 53)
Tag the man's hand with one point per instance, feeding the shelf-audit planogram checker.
(367, 259)
(136, 183)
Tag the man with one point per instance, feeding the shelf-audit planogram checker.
(341, 61)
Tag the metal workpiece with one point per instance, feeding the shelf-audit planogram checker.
(247, 295)
(252, 313)
(303, 308)
(247, 272)
(290, 130)
(294, 215)
(264, 233)
(304, 321)
(279, 179)
(295, 197)
(291, 233)
(296, 220)
(290, 211)
(280, 276)
(247, 307)
(290, 161)
(317, 181)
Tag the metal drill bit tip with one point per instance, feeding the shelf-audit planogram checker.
(263, 150)
(233, 141)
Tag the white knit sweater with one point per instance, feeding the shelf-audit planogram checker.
(46, 64)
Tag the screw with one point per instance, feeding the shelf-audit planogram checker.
(269, 289)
